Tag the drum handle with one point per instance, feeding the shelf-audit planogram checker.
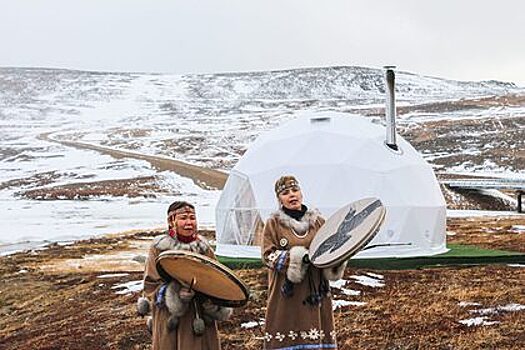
(384, 245)
(306, 259)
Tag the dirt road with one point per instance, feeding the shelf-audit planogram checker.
(203, 177)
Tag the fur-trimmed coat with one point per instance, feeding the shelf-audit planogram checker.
(291, 323)
(182, 336)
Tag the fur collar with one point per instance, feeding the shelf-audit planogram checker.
(301, 226)
(166, 242)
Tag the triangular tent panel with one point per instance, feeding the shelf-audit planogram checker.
(337, 158)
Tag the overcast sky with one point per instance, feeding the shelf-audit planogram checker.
(456, 39)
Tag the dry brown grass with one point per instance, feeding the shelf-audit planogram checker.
(416, 309)
(488, 232)
(135, 187)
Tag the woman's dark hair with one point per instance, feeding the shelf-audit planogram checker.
(179, 204)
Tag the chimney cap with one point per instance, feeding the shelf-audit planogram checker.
(389, 67)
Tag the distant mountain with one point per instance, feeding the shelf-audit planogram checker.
(210, 119)
(27, 85)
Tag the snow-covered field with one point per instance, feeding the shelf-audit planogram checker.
(207, 120)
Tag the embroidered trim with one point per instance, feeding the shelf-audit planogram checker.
(282, 258)
(308, 346)
(159, 300)
(300, 236)
(273, 256)
(312, 334)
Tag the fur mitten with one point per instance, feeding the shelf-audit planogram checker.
(173, 301)
(334, 273)
(186, 295)
(176, 307)
(214, 312)
(297, 267)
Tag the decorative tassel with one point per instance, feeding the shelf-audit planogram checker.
(198, 322)
(143, 306)
(149, 324)
(198, 326)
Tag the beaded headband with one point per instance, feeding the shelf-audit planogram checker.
(183, 210)
(288, 185)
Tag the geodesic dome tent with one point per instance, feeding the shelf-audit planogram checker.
(337, 158)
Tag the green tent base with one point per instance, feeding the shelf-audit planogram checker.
(457, 255)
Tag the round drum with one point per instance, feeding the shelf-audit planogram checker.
(205, 275)
(346, 232)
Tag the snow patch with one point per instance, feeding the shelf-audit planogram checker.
(336, 304)
(252, 324)
(368, 281)
(518, 228)
(500, 309)
(338, 284)
(111, 275)
(128, 287)
(477, 321)
(468, 303)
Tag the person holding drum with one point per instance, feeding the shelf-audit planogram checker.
(179, 320)
(299, 311)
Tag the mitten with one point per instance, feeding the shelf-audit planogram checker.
(334, 273)
(215, 312)
(297, 267)
(176, 307)
(186, 294)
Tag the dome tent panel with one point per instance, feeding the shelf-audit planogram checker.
(342, 159)
(332, 190)
(410, 186)
(409, 232)
(237, 214)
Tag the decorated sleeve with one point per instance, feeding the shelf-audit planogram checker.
(274, 256)
(209, 251)
(152, 279)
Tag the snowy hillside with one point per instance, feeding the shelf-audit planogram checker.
(205, 119)
(210, 120)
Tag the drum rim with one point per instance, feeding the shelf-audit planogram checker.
(362, 243)
(205, 259)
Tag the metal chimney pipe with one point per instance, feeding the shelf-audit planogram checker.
(390, 108)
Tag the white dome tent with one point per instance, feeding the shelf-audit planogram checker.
(337, 158)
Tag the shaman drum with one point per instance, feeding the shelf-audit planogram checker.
(204, 275)
(346, 232)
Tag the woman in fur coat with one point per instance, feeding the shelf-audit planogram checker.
(176, 324)
(299, 310)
